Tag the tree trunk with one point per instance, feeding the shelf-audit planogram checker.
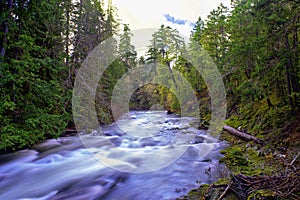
(242, 135)
(288, 72)
(295, 71)
(5, 29)
(67, 43)
(170, 70)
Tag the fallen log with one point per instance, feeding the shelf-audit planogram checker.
(242, 135)
(69, 132)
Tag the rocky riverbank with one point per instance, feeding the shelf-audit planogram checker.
(269, 171)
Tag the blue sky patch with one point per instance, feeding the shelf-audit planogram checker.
(172, 19)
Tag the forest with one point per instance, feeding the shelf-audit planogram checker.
(254, 44)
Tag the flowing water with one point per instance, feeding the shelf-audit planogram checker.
(146, 155)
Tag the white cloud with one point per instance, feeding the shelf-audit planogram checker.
(150, 14)
(143, 14)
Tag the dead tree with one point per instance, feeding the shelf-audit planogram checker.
(242, 135)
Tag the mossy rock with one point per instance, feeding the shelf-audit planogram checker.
(262, 195)
(210, 192)
(222, 181)
(197, 194)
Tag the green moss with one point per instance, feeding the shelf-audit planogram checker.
(257, 117)
(234, 157)
(262, 195)
(207, 192)
(246, 160)
(196, 194)
(222, 181)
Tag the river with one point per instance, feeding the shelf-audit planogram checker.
(145, 155)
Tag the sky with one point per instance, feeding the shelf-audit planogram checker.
(179, 14)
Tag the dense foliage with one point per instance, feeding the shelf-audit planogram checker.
(256, 49)
(32, 93)
(43, 43)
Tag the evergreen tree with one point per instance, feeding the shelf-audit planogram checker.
(126, 49)
(31, 106)
(165, 49)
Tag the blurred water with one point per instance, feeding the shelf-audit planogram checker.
(67, 169)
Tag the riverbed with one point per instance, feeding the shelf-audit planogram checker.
(145, 155)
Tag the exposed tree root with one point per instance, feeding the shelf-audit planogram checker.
(285, 185)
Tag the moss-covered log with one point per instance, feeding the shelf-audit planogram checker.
(242, 135)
